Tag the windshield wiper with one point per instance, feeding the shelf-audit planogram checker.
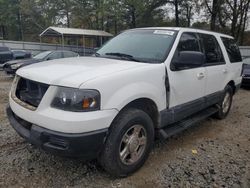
(122, 55)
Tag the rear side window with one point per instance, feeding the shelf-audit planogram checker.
(233, 50)
(211, 49)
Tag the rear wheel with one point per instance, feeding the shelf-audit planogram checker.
(128, 144)
(226, 103)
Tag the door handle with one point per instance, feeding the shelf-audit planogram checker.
(224, 71)
(200, 75)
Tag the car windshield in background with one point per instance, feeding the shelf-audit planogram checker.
(42, 55)
(150, 46)
(246, 60)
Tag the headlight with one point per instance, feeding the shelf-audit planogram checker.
(76, 100)
(16, 66)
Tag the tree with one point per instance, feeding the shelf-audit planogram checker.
(238, 10)
(213, 10)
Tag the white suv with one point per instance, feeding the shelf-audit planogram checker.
(143, 84)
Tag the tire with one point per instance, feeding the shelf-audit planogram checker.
(225, 104)
(130, 129)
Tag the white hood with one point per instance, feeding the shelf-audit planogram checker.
(72, 72)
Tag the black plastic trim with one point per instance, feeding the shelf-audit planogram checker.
(85, 145)
(180, 112)
(245, 82)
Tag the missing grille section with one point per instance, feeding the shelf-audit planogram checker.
(30, 92)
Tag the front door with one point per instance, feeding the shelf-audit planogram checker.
(187, 87)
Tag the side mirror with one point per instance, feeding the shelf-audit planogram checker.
(188, 59)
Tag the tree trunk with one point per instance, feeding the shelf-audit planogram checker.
(176, 5)
(188, 15)
(133, 16)
(19, 22)
(116, 28)
(214, 14)
(2, 29)
(234, 20)
(244, 23)
(242, 13)
(68, 19)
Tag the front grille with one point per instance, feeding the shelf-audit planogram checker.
(30, 92)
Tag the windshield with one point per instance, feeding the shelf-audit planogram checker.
(42, 55)
(247, 61)
(150, 46)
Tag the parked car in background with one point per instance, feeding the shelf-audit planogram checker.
(5, 55)
(246, 73)
(11, 66)
(21, 54)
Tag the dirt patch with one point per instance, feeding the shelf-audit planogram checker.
(222, 158)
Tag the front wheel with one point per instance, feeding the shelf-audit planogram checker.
(128, 144)
(226, 103)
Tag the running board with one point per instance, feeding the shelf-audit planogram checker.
(173, 129)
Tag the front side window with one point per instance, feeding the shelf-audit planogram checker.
(149, 46)
(211, 49)
(233, 50)
(188, 42)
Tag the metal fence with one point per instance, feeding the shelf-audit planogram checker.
(35, 48)
(39, 47)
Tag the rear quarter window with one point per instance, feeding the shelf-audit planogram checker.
(233, 50)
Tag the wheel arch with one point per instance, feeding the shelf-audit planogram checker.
(232, 85)
(145, 104)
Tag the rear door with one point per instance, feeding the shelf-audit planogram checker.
(233, 56)
(215, 65)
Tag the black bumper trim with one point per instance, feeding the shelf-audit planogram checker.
(84, 145)
(245, 82)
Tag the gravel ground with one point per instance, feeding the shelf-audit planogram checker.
(212, 154)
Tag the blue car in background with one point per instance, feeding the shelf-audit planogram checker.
(246, 72)
(11, 66)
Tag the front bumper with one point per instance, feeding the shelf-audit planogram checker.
(84, 145)
(245, 82)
